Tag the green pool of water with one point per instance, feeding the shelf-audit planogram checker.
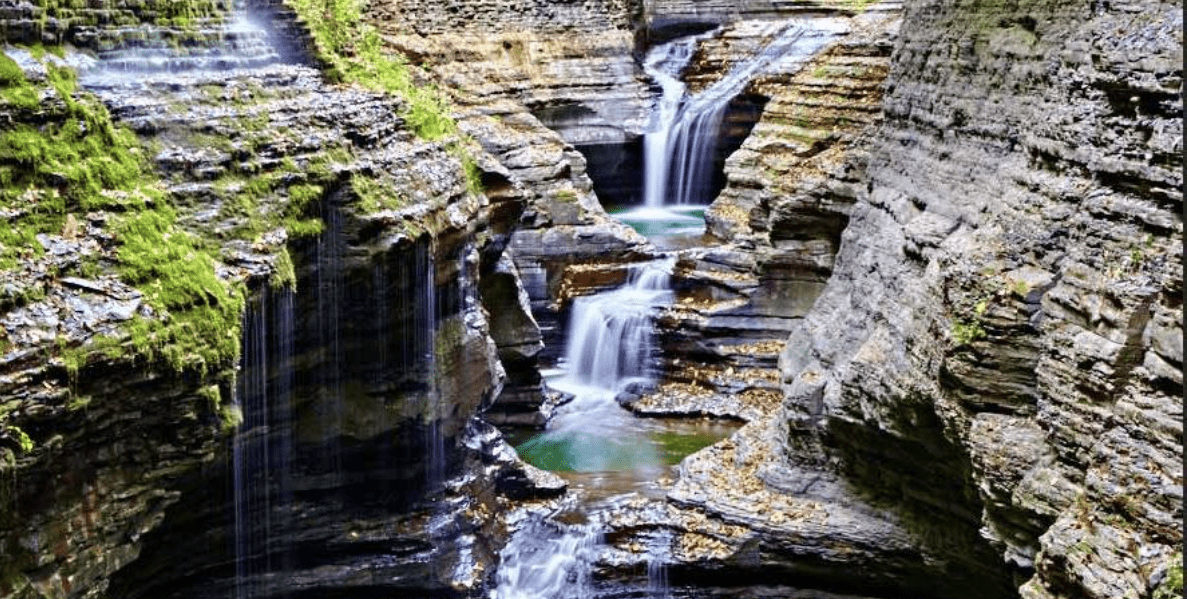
(673, 227)
(651, 446)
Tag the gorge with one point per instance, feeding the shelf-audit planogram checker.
(611, 298)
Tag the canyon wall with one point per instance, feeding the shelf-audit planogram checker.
(155, 453)
(1009, 285)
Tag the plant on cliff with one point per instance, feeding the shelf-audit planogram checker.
(352, 49)
(1172, 583)
(72, 160)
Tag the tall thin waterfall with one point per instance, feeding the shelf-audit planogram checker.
(664, 63)
(682, 171)
(262, 448)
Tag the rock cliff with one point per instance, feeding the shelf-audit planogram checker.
(1013, 268)
(994, 362)
(961, 235)
(348, 253)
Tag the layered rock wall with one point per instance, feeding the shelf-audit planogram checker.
(1011, 274)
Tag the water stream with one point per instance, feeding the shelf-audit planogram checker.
(603, 450)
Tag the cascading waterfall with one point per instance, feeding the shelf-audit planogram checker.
(609, 345)
(610, 333)
(664, 64)
(209, 44)
(659, 553)
(547, 560)
(679, 152)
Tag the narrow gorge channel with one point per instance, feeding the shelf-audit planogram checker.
(829, 299)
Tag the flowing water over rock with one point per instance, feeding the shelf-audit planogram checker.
(605, 451)
(609, 347)
(680, 152)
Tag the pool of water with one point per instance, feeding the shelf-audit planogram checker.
(604, 450)
(669, 227)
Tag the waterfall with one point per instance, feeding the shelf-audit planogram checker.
(427, 317)
(213, 43)
(664, 64)
(609, 340)
(261, 448)
(679, 151)
(658, 556)
(547, 560)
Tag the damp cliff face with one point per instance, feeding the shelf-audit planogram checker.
(313, 219)
(533, 83)
(1009, 285)
(983, 381)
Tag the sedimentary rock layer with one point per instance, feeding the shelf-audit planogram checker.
(1009, 281)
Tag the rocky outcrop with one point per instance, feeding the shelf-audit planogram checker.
(1037, 219)
(572, 65)
(986, 376)
(381, 357)
(989, 362)
(563, 223)
(788, 189)
(663, 16)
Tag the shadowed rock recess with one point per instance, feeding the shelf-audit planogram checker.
(257, 321)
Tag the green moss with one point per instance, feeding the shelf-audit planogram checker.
(22, 438)
(78, 402)
(1172, 585)
(177, 275)
(965, 332)
(376, 193)
(473, 175)
(14, 89)
(231, 416)
(352, 49)
(285, 275)
(78, 161)
(212, 395)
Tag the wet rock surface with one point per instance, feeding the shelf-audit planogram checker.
(968, 317)
(382, 357)
(977, 263)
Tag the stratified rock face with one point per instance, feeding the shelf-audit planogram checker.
(1008, 292)
(572, 64)
(110, 450)
(678, 14)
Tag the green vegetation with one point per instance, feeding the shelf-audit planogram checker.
(352, 49)
(376, 193)
(857, 5)
(1172, 584)
(231, 416)
(470, 172)
(22, 438)
(965, 332)
(78, 161)
(285, 274)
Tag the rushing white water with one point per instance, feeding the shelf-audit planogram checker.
(610, 333)
(679, 151)
(609, 345)
(208, 45)
(664, 63)
(547, 560)
(658, 555)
